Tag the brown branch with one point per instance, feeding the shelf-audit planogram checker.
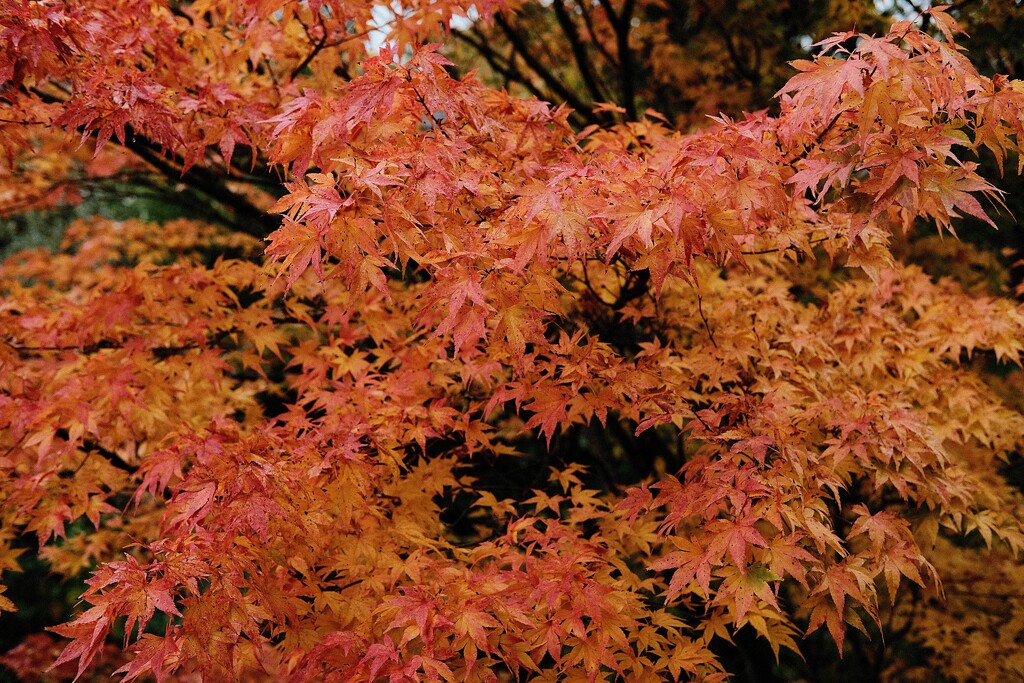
(635, 286)
(1009, 595)
(621, 25)
(778, 249)
(588, 21)
(590, 287)
(248, 218)
(579, 51)
(511, 61)
(556, 86)
(509, 70)
(176, 10)
(110, 456)
(613, 16)
(428, 116)
(317, 47)
(17, 122)
(26, 202)
(704, 319)
(742, 69)
(160, 352)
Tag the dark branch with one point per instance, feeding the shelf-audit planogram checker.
(508, 69)
(579, 51)
(588, 21)
(247, 217)
(622, 27)
(317, 47)
(110, 456)
(556, 86)
(159, 352)
(707, 327)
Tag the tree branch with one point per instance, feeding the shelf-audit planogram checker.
(556, 86)
(579, 51)
(622, 28)
(707, 327)
(160, 352)
(317, 47)
(510, 71)
(588, 21)
(248, 218)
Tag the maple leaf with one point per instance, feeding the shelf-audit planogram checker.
(954, 192)
(825, 80)
(88, 632)
(193, 504)
(5, 603)
(842, 581)
(299, 246)
(689, 561)
(787, 558)
(549, 407)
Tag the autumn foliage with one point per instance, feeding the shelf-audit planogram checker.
(507, 391)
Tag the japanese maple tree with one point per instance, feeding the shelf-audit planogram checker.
(437, 384)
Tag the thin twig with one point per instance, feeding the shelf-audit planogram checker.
(761, 252)
(700, 309)
(557, 87)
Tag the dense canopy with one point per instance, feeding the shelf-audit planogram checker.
(533, 372)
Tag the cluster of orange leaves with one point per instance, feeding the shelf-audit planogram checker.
(446, 257)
